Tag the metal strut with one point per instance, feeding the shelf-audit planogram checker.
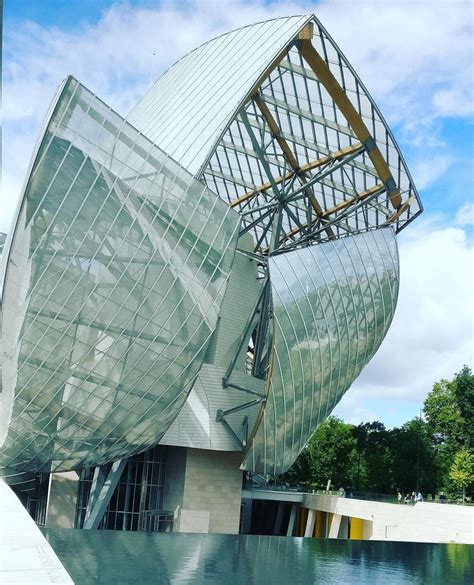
(243, 338)
(221, 414)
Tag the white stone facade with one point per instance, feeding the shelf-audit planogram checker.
(204, 489)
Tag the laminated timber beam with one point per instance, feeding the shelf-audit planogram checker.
(289, 156)
(341, 206)
(314, 164)
(401, 210)
(332, 86)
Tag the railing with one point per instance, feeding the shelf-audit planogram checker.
(156, 521)
(261, 484)
(389, 498)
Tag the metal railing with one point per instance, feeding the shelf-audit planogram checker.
(259, 482)
(156, 521)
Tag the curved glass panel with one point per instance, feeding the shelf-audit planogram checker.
(189, 106)
(333, 304)
(113, 286)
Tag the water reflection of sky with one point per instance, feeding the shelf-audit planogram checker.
(139, 558)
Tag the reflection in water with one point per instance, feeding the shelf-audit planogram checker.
(132, 558)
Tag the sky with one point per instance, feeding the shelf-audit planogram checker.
(416, 59)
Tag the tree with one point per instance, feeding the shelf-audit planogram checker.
(449, 412)
(413, 465)
(374, 458)
(332, 453)
(443, 414)
(462, 470)
(464, 393)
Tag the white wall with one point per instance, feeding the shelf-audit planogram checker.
(423, 522)
(196, 425)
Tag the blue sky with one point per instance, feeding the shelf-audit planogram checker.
(416, 58)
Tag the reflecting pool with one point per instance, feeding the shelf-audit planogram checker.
(114, 557)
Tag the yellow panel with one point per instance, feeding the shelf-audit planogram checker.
(318, 525)
(357, 525)
(303, 516)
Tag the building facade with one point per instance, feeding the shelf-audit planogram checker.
(189, 291)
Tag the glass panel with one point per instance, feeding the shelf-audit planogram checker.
(113, 286)
(333, 304)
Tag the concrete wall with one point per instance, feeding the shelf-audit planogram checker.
(62, 500)
(423, 522)
(203, 489)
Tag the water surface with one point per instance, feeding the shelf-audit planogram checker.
(114, 557)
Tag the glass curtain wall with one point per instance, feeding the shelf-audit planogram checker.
(114, 282)
(332, 306)
(138, 497)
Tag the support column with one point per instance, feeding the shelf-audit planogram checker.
(98, 480)
(334, 527)
(344, 528)
(279, 518)
(96, 511)
(291, 523)
(310, 523)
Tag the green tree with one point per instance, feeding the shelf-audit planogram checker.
(464, 393)
(374, 458)
(413, 466)
(443, 414)
(449, 414)
(332, 453)
(462, 470)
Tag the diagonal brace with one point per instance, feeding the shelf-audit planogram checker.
(95, 512)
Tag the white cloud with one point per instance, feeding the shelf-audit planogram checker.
(465, 215)
(413, 56)
(432, 333)
(426, 171)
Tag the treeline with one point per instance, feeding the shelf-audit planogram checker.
(431, 453)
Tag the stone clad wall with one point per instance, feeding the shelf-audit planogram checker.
(214, 482)
(62, 500)
(204, 490)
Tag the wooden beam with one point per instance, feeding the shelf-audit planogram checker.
(330, 83)
(401, 209)
(306, 33)
(339, 207)
(275, 130)
(288, 154)
(363, 195)
(314, 164)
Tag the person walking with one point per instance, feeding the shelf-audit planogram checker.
(399, 497)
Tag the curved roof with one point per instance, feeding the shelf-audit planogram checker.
(273, 112)
(187, 109)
